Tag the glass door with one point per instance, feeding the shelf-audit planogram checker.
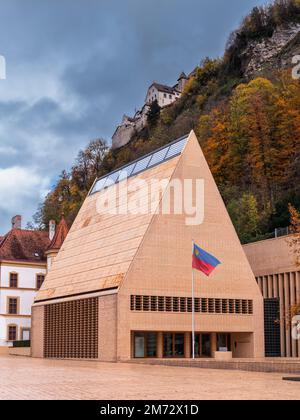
(139, 345)
(168, 345)
(202, 345)
(205, 345)
(173, 345)
(178, 345)
(145, 345)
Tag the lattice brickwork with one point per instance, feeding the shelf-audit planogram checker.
(184, 304)
(71, 330)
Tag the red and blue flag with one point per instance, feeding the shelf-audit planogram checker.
(203, 261)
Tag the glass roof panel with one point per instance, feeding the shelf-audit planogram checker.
(126, 172)
(159, 156)
(112, 179)
(176, 148)
(145, 162)
(99, 185)
(141, 165)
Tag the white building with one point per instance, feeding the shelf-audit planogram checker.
(163, 94)
(23, 267)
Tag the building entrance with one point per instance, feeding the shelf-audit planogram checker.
(202, 345)
(145, 345)
(173, 345)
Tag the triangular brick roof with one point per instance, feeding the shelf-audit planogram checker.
(100, 247)
(149, 251)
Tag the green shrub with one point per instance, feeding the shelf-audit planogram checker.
(21, 343)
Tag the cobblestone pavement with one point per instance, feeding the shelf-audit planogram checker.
(25, 378)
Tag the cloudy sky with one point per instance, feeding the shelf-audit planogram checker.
(74, 67)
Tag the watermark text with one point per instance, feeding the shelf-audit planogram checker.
(296, 68)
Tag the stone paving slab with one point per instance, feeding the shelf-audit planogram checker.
(37, 379)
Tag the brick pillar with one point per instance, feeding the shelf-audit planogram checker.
(213, 344)
(187, 345)
(160, 345)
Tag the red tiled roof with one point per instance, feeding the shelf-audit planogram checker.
(59, 237)
(24, 245)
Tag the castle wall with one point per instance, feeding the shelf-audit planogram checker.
(122, 136)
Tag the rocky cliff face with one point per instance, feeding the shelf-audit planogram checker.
(270, 53)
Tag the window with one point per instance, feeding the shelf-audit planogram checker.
(224, 342)
(12, 333)
(25, 334)
(40, 278)
(173, 345)
(202, 345)
(145, 345)
(13, 306)
(13, 280)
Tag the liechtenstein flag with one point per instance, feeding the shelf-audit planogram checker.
(203, 261)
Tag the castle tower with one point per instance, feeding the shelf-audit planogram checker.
(182, 81)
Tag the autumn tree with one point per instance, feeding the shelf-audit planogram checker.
(245, 216)
(294, 244)
(89, 163)
(294, 240)
(71, 188)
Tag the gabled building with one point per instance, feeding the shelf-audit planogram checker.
(166, 95)
(23, 267)
(163, 94)
(120, 287)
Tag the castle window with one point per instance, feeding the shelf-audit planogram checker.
(13, 280)
(12, 333)
(40, 278)
(12, 306)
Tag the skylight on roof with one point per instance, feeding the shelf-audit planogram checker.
(141, 165)
(146, 162)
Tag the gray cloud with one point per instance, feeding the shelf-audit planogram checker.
(74, 67)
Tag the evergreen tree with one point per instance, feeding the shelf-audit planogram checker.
(153, 113)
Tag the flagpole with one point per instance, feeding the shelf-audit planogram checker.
(193, 304)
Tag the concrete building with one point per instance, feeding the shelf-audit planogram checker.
(23, 267)
(120, 287)
(278, 278)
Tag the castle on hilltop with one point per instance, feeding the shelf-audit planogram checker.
(163, 94)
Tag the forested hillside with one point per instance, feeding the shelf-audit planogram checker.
(248, 126)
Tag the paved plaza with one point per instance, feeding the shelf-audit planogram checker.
(25, 378)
